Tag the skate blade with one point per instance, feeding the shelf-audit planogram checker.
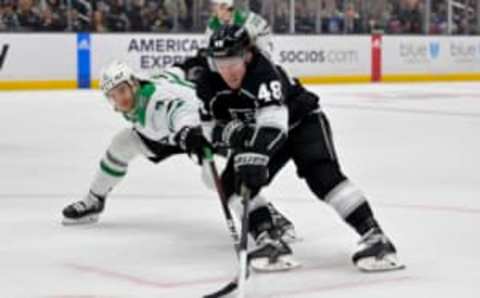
(284, 263)
(372, 264)
(89, 219)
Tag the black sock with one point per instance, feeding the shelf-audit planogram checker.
(362, 219)
(260, 221)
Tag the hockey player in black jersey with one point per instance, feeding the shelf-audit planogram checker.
(266, 118)
(191, 70)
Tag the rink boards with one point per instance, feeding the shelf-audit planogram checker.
(68, 61)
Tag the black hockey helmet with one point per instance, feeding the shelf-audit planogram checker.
(228, 41)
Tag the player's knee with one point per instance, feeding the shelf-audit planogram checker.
(314, 151)
(123, 146)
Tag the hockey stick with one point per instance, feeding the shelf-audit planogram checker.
(241, 245)
(209, 161)
(239, 283)
(244, 242)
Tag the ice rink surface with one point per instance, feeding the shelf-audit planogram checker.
(414, 150)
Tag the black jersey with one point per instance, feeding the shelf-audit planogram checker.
(193, 67)
(264, 85)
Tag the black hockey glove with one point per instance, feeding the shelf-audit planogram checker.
(251, 169)
(192, 141)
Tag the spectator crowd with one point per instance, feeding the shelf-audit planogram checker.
(311, 16)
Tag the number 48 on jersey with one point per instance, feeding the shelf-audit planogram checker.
(270, 92)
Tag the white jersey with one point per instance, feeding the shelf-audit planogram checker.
(164, 105)
(257, 27)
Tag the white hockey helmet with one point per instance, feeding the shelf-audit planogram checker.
(114, 74)
(228, 3)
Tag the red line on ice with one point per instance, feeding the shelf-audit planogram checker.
(288, 293)
(171, 285)
(141, 281)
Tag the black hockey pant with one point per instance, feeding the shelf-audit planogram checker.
(311, 148)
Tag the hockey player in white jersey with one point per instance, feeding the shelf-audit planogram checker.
(164, 112)
(258, 29)
(164, 117)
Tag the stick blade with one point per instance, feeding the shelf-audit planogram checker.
(226, 290)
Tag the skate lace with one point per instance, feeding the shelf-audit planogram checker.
(87, 203)
(265, 239)
(79, 206)
(373, 236)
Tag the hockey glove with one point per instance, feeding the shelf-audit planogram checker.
(251, 169)
(192, 141)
